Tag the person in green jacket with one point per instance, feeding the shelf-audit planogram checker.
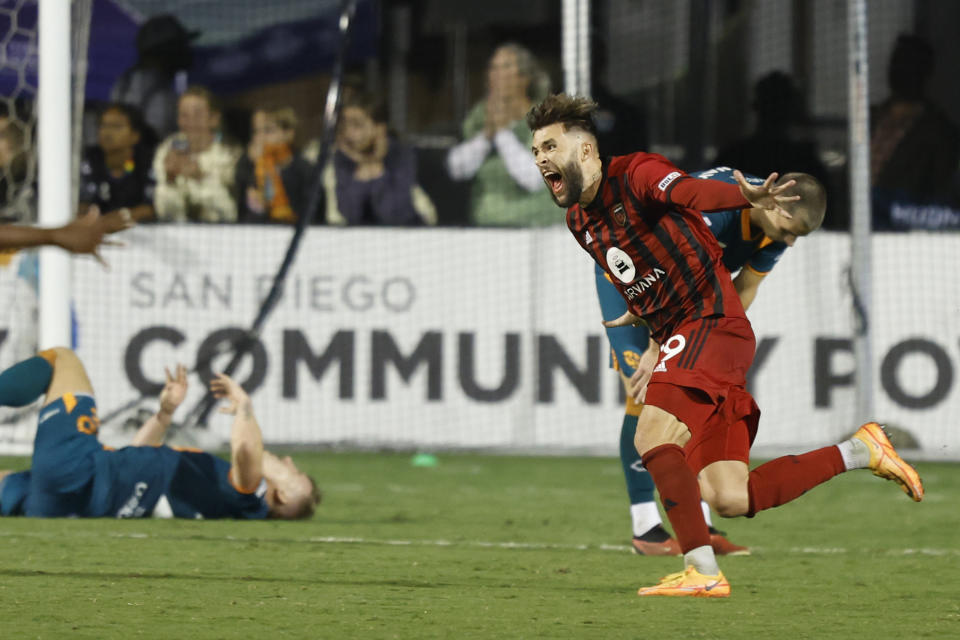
(507, 188)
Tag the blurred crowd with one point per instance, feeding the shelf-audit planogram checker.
(162, 153)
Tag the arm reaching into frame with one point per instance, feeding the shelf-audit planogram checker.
(85, 235)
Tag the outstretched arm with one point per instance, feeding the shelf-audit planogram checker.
(154, 430)
(246, 441)
(83, 235)
(658, 178)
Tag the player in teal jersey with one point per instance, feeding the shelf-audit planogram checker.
(752, 241)
(73, 474)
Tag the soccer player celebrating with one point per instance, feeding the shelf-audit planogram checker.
(752, 239)
(638, 217)
(72, 474)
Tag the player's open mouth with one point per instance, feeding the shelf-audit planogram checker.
(554, 179)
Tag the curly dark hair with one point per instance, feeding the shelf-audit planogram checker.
(573, 112)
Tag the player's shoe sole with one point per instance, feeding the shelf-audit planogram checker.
(689, 583)
(723, 547)
(885, 462)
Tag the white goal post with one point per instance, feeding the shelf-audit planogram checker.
(55, 174)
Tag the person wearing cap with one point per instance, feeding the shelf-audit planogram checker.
(164, 55)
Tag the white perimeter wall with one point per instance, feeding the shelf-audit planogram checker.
(372, 299)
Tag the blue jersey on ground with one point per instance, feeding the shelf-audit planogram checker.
(14, 489)
(74, 475)
(743, 247)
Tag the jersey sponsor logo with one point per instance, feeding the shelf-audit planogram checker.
(49, 414)
(673, 175)
(620, 265)
(709, 173)
(620, 214)
(131, 508)
(645, 282)
(724, 173)
(631, 358)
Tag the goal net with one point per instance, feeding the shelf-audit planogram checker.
(483, 332)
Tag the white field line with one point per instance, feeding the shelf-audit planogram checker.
(478, 544)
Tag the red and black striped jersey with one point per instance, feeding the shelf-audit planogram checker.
(645, 230)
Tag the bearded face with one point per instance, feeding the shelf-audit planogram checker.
(565, 181)
(558, 156)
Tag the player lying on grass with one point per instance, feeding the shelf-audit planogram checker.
(639, 217)
(752, 240)
(72, 474)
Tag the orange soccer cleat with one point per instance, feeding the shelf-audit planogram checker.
(656, 542)
(723, 547)
(690, 583)
(886, 463)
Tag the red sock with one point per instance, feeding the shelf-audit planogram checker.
(679, 493)
(784, 479)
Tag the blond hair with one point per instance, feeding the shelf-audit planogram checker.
(811, 208)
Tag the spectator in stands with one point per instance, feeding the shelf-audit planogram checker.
(372, 178)
(194, 167)
(914, 147)
(163, 56)
(507, 188)
(117, 174)
(272, 180)
(779, 143)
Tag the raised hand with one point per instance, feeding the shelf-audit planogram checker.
(766, 195)
(226, 388)
(174, 391)
(85, 235)
(173, 164)
(118, 220)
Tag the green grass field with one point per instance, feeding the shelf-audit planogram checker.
(488, 547)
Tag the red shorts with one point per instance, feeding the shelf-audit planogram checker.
(701, 380)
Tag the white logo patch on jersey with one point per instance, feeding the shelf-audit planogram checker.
(673, 175)
(48, 414)
(587, 237)
(621, 265)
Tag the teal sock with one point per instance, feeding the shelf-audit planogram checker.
(24, 382)
(639, 483)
